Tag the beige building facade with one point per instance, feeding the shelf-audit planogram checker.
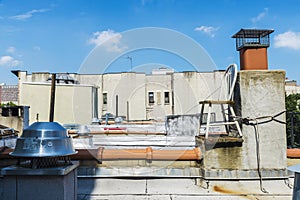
(291, 87)
(80, 98)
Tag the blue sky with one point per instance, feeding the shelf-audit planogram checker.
(57, 36)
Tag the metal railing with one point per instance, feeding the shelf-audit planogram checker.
(293, 129)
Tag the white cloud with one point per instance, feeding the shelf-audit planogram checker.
(209, 30)
(11, 49)
(36, 48)
(288, 39)
(28, 14)
(8, 61)
(109, 39)
(260, 16)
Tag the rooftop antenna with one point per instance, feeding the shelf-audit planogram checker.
(130, 58)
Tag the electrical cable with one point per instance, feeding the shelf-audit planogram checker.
(254, 122)
(258, 157)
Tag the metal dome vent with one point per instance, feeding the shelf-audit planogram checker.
(44, 145)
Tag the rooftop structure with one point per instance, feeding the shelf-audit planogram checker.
(9, 93)
(252, 38)
(162, 70)
(64, 78)
(252, 45)
(291, 87)
(134, 96)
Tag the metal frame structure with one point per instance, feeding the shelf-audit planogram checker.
(252, 38)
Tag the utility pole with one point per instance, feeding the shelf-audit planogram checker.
(52, 97)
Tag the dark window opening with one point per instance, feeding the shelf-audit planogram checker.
(167, 97)
(104, 98)
(151, 97)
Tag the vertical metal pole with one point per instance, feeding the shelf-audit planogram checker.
(127, 111)
(130, 58)
(117, 106)
(52, 98)
(292, 130)
(172, 94)
(131, 64)
(106, 119)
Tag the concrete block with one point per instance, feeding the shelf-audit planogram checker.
(262, 94)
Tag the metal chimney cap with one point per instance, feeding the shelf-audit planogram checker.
(45, 129)
(44, 139)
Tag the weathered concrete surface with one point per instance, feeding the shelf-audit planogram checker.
(263, 94)
(174, 188)
(258, 94)
(12, 122)
(186, 189)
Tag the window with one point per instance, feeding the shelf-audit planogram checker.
(151, 97)
(167, 97)
(95, 102)
(105, 98)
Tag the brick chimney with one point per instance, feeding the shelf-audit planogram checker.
(252, 45)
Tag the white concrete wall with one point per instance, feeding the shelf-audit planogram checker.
(262, 94)
(158, 84)
(12, 122)
(192, 87)
(95, 80)
(73, 103)
(130, 87)
(292, 89)
(189, 88)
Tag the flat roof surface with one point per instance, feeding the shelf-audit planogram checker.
(179, 189)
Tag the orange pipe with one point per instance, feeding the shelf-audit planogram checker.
(72, 131)
(138, 154)
(293, 153)
(148, 154)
